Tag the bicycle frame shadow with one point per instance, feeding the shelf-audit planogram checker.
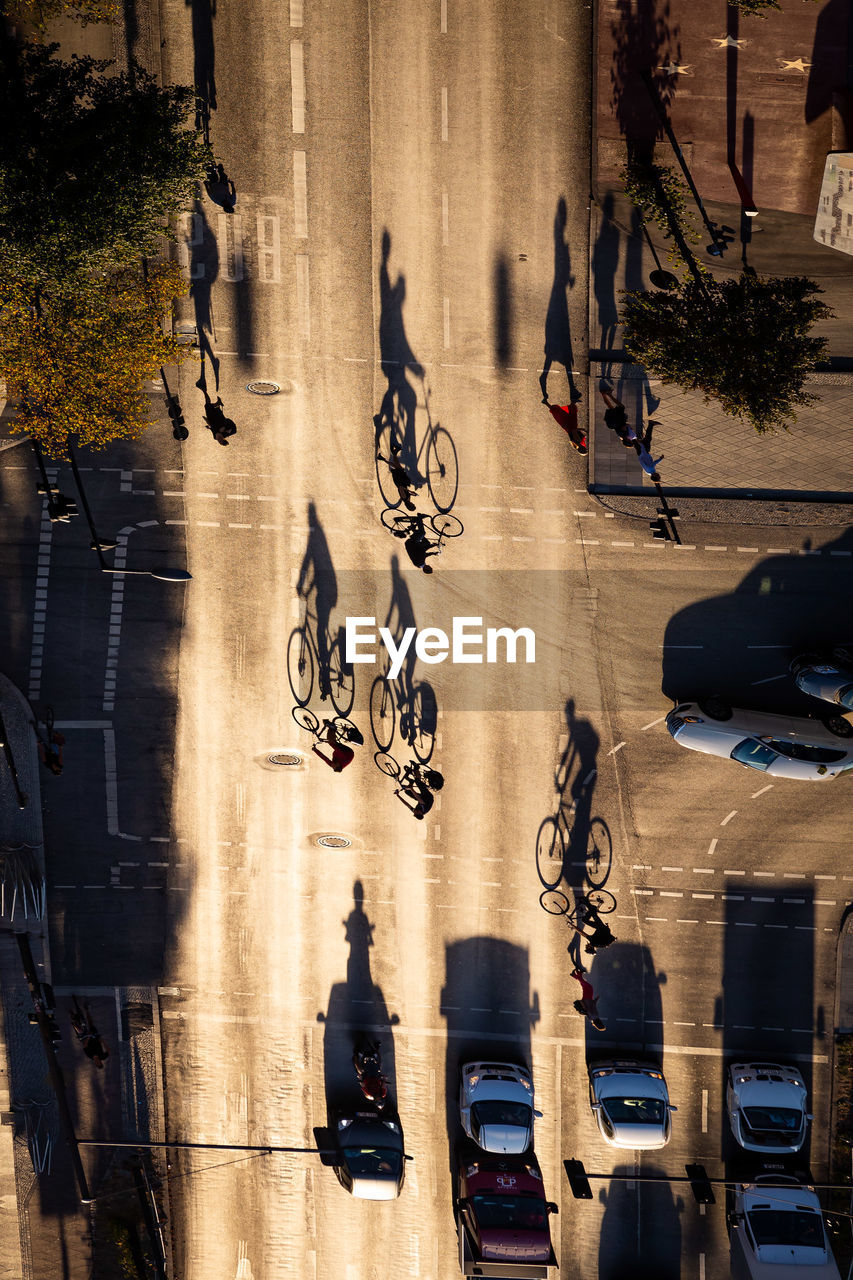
(404, 703)
(311, 644)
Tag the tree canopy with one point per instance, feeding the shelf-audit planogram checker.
(78, 352)
(39, 12)
(91, 165)
(743, 342)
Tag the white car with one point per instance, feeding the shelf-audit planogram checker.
(631, 1104)
(829, 678)
(778, 1229)
(496, 1106)
(783, 746)
(767, 1107)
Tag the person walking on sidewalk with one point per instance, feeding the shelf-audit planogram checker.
(642, 444)
(50, 743)
(567, 416)
(588, 1003)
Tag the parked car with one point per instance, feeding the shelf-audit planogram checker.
(827, 677)
(767, 1107)
(782, 746)
(371, 1164)
(631, 1104)
(496, 1106)
(503, 1213)
(778, 1229)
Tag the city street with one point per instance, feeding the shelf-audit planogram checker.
(411, 244)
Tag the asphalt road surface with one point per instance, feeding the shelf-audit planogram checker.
(410, 243)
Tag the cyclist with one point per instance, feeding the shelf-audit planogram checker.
(601, 935)
(341, 756)
(418, 785)
(418, 545)
(399, 475)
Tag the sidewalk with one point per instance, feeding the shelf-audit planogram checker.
(778, 132)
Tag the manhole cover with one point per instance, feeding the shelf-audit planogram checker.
(334, 842)
(263, 388)
(285, 757)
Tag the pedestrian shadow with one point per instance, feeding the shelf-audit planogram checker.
(604, 264)
(644, 37)
(503, 319)
(432, 462)
(403, 706)
(204, 56)
(640, 1235)
(828, 60)
(572, 847)
(490, 1014)
(316, 659)
(355, 1006)
(641, 402)
(738, 646)
(558, 329)
(204, 271)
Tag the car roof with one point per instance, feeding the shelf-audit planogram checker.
(369, 1130)
(500, 1091)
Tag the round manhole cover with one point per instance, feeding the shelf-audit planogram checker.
(285, 757)
(334, 842)
(263, 388)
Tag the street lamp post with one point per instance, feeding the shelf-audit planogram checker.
(99, 546)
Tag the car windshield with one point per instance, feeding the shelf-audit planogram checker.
(504, 1113)
(777, 1119)
(373, 1162)
(525, 1213)
(786, 1227)
(754, 754)
(845, 696)
(805, 751)
(634, 1110)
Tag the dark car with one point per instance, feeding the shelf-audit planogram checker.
(503, 1210)
(371, 1164)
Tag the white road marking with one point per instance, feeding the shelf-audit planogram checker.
(703, 871)
(728, 818)
(748, 549)
(729, 872)
(40, 607)
(444, 113)
(756, 794)
(444, 17)
(652, 723)
(296, 13)
(297, 87)
(300, 195)
(445, 217)
(672, 868)
(712, 846)
(716, 548)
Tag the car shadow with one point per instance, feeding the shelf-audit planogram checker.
(641, 1227)
(629, 997)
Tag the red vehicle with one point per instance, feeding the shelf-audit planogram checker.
(503, 1217)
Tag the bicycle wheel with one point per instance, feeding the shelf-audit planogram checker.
(386, 435)
(442, 469)
(599, 853)
(382, 713)
(306, 719)
(550, 853)
(398, 524)
(447, 526)
(423, 721)
(601, 901)
(300, 665)
(554, 902)
(387, 764)
(341, 680)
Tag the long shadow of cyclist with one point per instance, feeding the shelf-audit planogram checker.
(396, 358)
(318, 585)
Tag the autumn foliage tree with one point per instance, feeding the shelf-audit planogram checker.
(39, 12)
(77, 352)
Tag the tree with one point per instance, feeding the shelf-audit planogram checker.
(743, 342)
(78, 352)
(39, 12)
(91, 165)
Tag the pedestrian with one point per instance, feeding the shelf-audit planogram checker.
(399, 475)
(588, 1003)
(95, 1049)
(567, 417)
(642, 444)
(615, 416)
(50, 744)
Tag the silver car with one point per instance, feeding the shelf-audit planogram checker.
(783, 746)
(496, 1106)
(631, 1104)
(767, 1107)
(829, 677)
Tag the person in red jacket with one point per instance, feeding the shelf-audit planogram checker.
(588, 1003)
(567, 416)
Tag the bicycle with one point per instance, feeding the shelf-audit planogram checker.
(443, 525)
(599, 902)
(418, 714)
(436, 448)
(344, 729)
(414, 774)
(336, 678)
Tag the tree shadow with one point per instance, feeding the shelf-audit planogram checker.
(643, 37)
(356, 1005)
(558, 331)
(486, 1001)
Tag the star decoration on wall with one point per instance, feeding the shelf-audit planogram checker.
(675, 68)
(798, 65)
(729, 43)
